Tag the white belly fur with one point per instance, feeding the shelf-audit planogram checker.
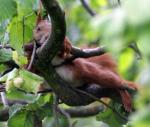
(66, 74)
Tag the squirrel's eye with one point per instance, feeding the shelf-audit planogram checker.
(38, 29)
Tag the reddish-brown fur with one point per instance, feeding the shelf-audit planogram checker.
(100, 70)
(103, 72)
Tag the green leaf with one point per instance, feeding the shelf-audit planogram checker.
(44, 111)
(126, 60)
(24, 116)
(21, 118)
(14, 109)
(112, 118)
(2, 67)
(21, 60)
(26, 6)
(19, 95)
(21, 27)
(42, 106)
(8, 8)
(17, 39)
(5, 55)
(29, 82)
(9, 76)
(43, 99)
(32, 81)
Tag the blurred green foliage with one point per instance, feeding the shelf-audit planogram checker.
(116, 26)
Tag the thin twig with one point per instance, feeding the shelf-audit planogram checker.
(136, 49)
(3, 96)
(12, 102)
(7, 46)
(2, 88)
(63, 112)
(45, 91)
(87, 8)
(32, 57)
(97, 99)
(4, 100)
(56, 101)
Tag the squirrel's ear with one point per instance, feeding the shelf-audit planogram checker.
(67, 45)
(39, 19)
(39, 16)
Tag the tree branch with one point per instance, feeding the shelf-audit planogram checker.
(54, 43)
(62, 89)
(49, 50)
(32, 56)
(85, 111)
(85, 53)
(72, 112)
(75, 112)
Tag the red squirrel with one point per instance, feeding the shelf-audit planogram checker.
(100, 70)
